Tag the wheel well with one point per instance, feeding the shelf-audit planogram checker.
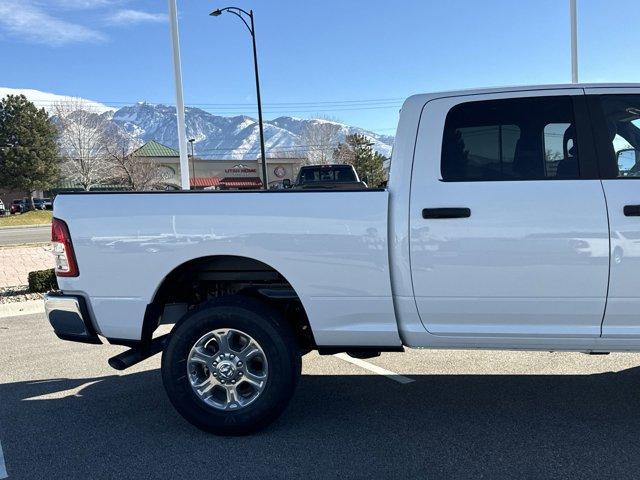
(207, 278)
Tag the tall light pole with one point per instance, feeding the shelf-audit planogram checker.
(241, 14)
(574, 41)
(177, 78)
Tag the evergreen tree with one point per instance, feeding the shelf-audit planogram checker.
(357, 150)
(28, 150)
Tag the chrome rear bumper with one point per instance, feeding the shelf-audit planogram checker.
(69, 317)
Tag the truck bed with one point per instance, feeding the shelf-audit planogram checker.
(332, 247)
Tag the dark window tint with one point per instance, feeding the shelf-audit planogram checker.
(620, 134)
(513, 139)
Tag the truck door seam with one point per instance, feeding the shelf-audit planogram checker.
(606, 299)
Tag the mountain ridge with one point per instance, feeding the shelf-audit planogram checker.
(216, 137)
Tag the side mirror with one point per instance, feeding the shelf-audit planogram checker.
(626, 160)
(286, 183)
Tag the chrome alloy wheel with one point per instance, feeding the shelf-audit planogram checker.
(227, 369)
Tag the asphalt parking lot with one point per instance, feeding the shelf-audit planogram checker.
(65, 414)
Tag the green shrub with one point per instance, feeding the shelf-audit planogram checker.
(42, 281)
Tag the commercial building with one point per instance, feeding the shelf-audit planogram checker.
(204, 174)
(219, 174)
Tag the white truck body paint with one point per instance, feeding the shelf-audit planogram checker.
(331, 247)
(369, 270)
(623, 303)
(509, 269)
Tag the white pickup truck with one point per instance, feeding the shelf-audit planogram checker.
(511, 221)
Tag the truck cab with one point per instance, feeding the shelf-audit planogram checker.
(517, 209)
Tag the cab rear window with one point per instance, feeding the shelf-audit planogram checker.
(327, 174)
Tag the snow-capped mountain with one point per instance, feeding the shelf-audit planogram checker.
(297, 126)
(48, 101)
(216, 137)
(233, 137)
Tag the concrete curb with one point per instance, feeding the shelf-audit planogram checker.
(21, 227)
(21, 308)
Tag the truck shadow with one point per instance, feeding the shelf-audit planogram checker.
(440, 426)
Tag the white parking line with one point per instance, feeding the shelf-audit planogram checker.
(71, 392)
(374, 368)
(3, 467)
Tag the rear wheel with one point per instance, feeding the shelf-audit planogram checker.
(231, 367)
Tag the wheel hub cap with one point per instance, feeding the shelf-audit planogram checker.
(227, 369)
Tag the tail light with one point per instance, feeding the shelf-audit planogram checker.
(66, 265)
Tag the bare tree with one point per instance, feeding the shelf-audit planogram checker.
(318, 141)
(131, 171)
(83, 136)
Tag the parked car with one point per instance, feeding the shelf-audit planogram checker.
(328, 177)
(48, 203)
(496, 231)
(38, 203)
(18, 206)
(3, 210)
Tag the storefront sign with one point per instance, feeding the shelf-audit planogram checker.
(240, 170)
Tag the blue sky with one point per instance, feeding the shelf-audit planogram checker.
(310, 52)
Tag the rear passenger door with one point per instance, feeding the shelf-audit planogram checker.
(508, 222)
(616, 124)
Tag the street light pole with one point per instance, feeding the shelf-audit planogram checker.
(260, 123)
(251, 27)
(574, 41)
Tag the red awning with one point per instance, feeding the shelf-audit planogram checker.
(241, 182)
(205, 181)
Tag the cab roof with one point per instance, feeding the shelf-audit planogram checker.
(424, 97)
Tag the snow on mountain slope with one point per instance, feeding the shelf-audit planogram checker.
(48, 100)
(216, 137)
(381, 143)
(231, 137)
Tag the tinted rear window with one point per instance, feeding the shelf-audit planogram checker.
(511, 139)
(327, 174)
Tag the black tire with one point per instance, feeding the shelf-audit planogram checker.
(278, 342)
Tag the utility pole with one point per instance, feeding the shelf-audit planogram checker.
(177, 77)
(574, 41)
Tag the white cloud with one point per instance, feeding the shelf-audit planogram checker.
(78, 4)
(28, 22)
(133, 17)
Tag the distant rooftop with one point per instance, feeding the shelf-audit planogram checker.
(155, 149)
